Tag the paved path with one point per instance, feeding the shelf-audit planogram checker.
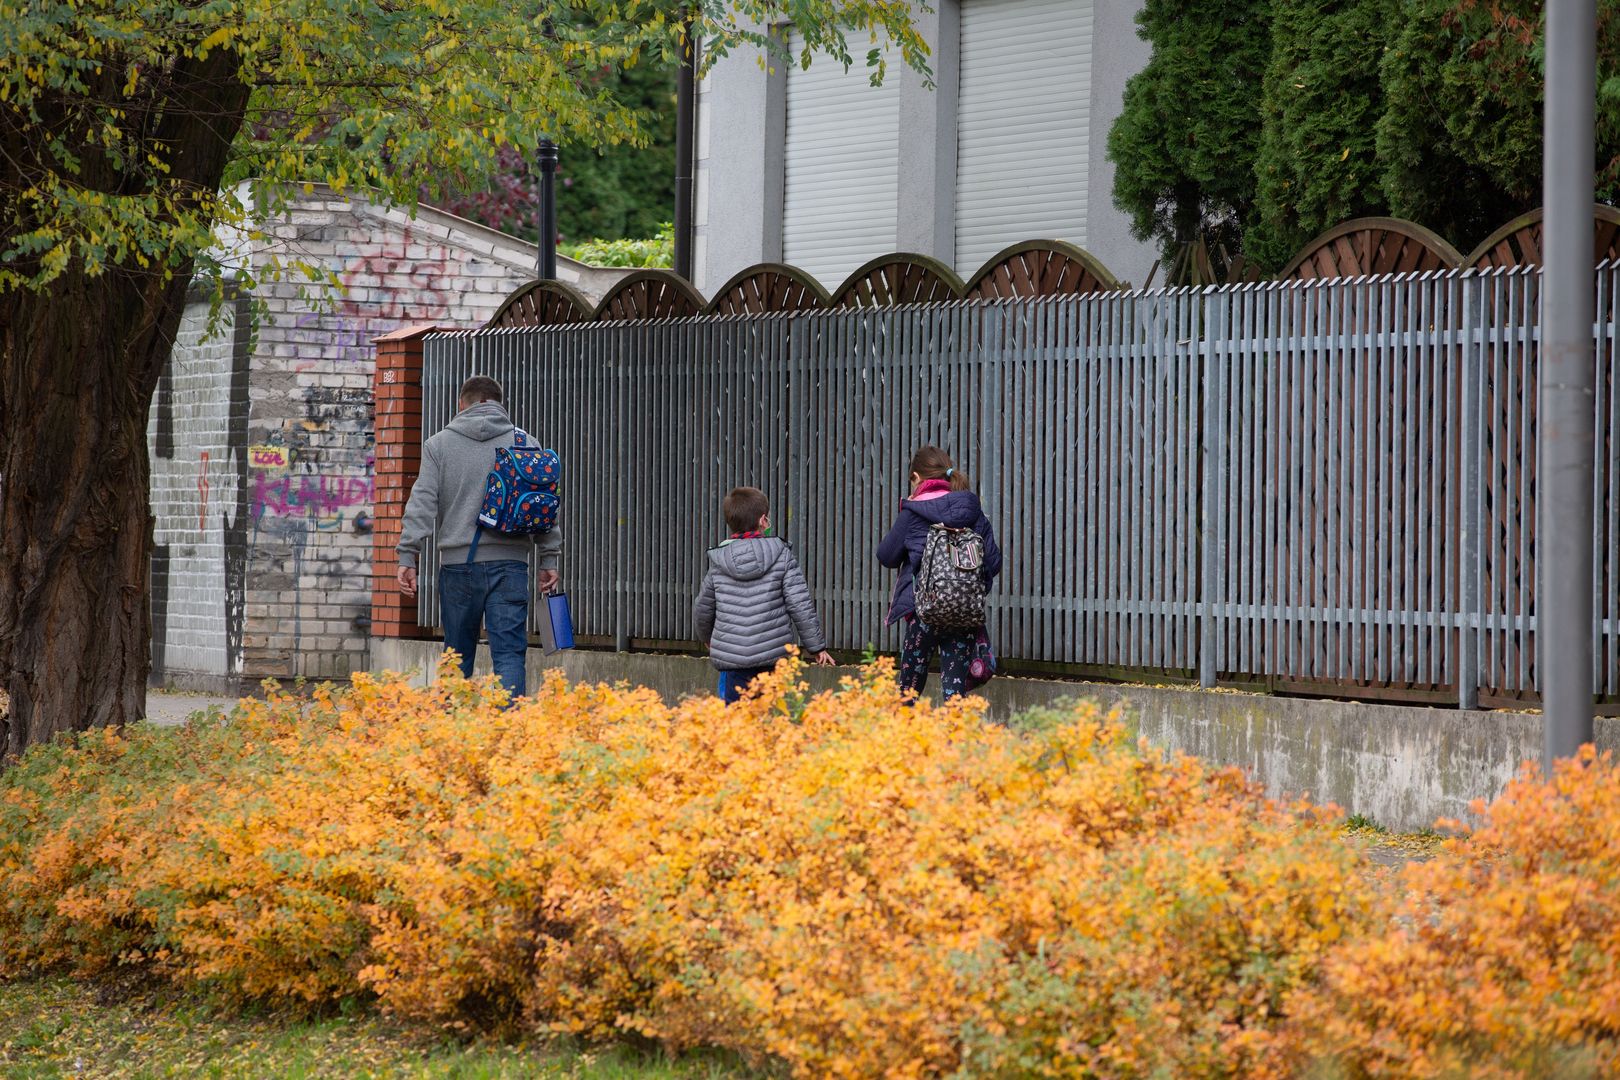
(171, 709)
(1393, 857)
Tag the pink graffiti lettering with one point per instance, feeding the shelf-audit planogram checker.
(316, 496)
(382, 290)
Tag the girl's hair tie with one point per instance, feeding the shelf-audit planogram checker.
(948, 473)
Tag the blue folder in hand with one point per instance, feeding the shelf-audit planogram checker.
(557, 630)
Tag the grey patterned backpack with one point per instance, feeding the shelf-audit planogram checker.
(950, 584)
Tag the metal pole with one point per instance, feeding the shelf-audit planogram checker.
(685, 122)
(1212, 459)
(1473, 516)
(547, 269)
(1564, 520)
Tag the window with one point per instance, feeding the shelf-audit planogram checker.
(842, 167)
(1023, 125)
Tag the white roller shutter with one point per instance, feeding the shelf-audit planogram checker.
(842, 167)
(1023, 125)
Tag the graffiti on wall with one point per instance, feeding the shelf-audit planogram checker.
(269, 457)
(422, 288)
(380, 292)
(202, 493)
(309, 469)
(309, 494)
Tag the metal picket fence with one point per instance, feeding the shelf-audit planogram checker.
(1325, 483)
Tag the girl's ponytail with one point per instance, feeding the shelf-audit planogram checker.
(932, 463)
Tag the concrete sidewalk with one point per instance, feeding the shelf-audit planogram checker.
(171, 709)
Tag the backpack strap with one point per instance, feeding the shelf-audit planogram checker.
(520, 440)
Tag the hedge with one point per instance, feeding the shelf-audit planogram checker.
(841, 883)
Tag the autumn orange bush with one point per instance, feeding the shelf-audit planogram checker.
(1502, 959)
(839, 882)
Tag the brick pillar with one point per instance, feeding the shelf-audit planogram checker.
(398, 388)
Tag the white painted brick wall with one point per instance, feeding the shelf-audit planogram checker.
(193, 491)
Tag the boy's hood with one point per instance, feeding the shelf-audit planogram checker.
(956, 510)
(482, 422)
(748, 559)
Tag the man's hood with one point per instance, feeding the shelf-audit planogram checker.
(748, 559)
(482, 422)
(956, 510)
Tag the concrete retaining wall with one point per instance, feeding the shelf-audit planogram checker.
(1400, 765)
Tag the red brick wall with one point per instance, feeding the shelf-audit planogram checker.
(399, 457)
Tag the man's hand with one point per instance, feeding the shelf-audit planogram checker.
(407, 580)
(547, 580)
(824, 659)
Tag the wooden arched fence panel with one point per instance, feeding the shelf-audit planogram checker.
(1518, 243)
(1040, 268)
(899, 279)
(1376, 245)
(769, 287)
(542, 303)
(650, 294)
(1365, 246)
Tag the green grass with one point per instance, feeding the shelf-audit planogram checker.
(1363, 824)
(59, 1027)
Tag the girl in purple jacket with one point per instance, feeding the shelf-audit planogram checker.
(940, 493)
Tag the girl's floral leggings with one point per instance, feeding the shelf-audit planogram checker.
(958, 651)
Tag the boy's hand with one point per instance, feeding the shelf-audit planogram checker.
(823, 659)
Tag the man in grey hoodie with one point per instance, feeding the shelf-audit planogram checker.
(448, 493)
(754, 598)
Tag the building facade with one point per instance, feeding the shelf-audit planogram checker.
(817, 168)
(262, 435)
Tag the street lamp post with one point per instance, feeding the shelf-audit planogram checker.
(1564, 512)
(548, 157)
(685, 123)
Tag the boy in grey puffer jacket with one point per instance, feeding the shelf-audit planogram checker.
(754, 598)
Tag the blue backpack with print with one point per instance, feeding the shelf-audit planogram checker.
(520, 496)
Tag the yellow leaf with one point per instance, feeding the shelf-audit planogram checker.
(217, 38)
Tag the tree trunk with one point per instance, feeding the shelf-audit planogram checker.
(78, 363)
(79, 360)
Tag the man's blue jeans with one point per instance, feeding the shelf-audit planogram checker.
(496, 594)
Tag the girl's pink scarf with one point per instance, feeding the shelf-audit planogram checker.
(931, 489)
